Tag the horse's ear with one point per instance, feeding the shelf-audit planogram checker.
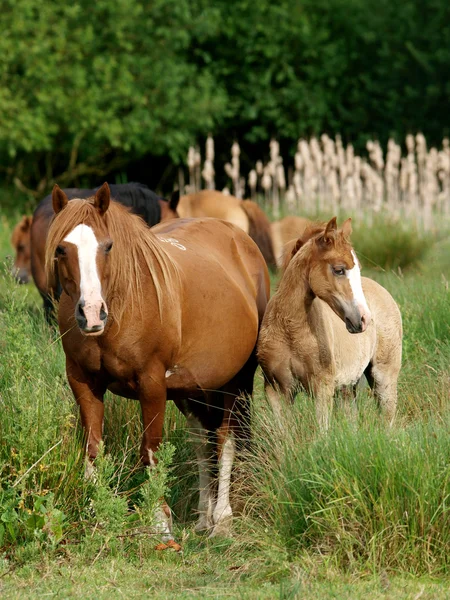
(59, 199)
(174, 199)
(102, 198)
(347, 228)
(329, 235)
(25, 224)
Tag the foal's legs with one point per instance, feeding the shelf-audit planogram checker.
(383, 378)
(323, 392)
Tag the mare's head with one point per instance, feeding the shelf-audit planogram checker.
(80, 244)
(334, 272)
(20, 240)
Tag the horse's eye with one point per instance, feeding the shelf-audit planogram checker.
(60, 251)
(339, 271)
(108, 247)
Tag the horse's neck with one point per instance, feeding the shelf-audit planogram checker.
(295, 295)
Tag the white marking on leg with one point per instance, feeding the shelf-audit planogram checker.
(90, 287)
(151, 460)
(223, 507)
(354, 277)
(203, 454)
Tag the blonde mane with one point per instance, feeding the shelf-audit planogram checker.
(134, 244)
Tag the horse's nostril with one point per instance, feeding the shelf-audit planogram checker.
(81, 311)
(103, 314)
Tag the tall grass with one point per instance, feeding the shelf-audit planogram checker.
(359, 499)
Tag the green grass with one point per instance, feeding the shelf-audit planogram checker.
(362, 512)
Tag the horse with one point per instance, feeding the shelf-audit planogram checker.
(20, 241)
(326, 326)
(138, 197)
(246, 214)
(168, 312)
(284, 230)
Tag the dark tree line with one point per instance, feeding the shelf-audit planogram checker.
(88, 89)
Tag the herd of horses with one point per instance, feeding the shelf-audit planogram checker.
(160, 300)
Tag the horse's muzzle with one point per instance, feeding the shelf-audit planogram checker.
(90, 320)
(20, 275)
(356, 319)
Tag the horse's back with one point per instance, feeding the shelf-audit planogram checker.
(220, 248)
(211, 203)
(387, 320)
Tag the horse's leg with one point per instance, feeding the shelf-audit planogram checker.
(89, 397)
(279, 395)
(203, 453)
(323, 391)
(152, 397)
(235, 427)
(382, 378)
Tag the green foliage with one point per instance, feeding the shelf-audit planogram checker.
(157, 483)
(391, 245)
(84, 87)
(88, 88)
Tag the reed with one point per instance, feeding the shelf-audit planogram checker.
(327, 177)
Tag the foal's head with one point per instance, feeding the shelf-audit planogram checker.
(334, 273)
(82, 256)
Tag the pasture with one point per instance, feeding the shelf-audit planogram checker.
(360, 512)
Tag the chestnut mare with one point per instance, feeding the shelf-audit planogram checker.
(307, 333)
(246, 214)
(20, 241)
(168, 312)
(138, 197)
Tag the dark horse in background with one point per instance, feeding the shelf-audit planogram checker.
(138, 197)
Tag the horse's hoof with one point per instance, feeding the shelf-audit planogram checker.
(203, 524)
(222, 528)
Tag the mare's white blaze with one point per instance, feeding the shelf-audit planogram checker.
(354, 277)
(90, 287)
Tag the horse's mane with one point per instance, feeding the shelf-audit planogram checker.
(134, 243)
(259, 230)
(143, 201)
(291, 248)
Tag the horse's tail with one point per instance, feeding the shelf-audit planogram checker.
(259, 230)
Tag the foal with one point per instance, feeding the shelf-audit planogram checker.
(307, 332)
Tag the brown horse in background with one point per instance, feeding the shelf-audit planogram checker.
(150, 314)
(138, 197)
(246, 214)
(307, 333)
(283, 231)
(20, 241)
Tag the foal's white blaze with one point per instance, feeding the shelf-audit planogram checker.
(90, 287)
(354, 277)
